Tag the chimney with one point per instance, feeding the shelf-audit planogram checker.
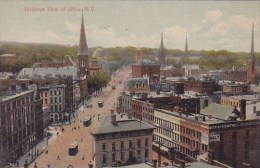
(203, 118)
(182, 164)
(113, 118)
(206, 103)
(90, 165)
(154, 163)
(210, 157)
(196, 118)
(242, 109)
(209, 116)
(118, 163)
(157, 92)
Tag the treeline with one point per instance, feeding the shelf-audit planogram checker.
(28, 54)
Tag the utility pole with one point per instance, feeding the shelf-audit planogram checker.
(159, 153)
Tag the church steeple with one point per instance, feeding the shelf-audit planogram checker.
(82, 51)
(83, 46)
(251, 61)
(161, 52)
(186, 47)
(252, 54)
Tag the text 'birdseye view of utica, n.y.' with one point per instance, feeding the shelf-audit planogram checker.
(131, 84)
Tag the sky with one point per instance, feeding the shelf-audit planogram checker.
(209, 25)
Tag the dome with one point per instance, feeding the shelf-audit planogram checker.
(99, 52)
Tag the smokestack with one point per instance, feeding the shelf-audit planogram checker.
(113, 118)
(242, 109)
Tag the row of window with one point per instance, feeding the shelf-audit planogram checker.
(122, 156)
(11, 117)
(15, 104)
(122, 144)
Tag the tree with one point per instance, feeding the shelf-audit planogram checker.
(98, 81)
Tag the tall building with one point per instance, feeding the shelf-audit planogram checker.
(161, 52)
(82, 51)
(20, 124)
(251, 61)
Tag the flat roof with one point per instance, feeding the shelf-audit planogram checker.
(11, 95)
(123, 124)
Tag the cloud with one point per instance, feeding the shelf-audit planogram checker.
(213, 15)
(72, 27)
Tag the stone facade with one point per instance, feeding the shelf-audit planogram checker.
(129, 143)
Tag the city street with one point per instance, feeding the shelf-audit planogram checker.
(57, 155)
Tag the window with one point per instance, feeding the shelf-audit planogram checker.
(113, 146)
(146, 153)
(130, 144)
(104, 158)
(113, 157)
(138, 153)
(146, 142)
(122, 156)
(139, 142)
(103, 147)
(122, 145)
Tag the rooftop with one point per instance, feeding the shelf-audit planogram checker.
(123, 124)
(193, 117)
(48, 72)
(5, 96)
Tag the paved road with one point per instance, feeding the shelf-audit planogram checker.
(57, 156)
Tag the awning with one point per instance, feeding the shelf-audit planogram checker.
(161, 147)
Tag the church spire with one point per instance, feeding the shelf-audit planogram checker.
(83, 46)
(186, 47)
(161, 52)
(252, 54)
(251, 61)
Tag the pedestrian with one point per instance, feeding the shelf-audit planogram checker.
(72, 128)
(78, 127)
(58, 158)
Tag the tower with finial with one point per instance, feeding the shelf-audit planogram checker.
(82, 51)
(186, 54)
(139, 56)
(161, 52)
(251, 61)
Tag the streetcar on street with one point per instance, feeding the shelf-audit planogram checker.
(100, 103)
(73, 149)
(87, 121)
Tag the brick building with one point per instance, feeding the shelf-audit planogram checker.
(231, 137)
(152, 71)
(234, 74)
(170, 71)
(20, 124)
(233, 88)
(200, 86)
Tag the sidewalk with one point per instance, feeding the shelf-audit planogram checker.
(34, 152)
